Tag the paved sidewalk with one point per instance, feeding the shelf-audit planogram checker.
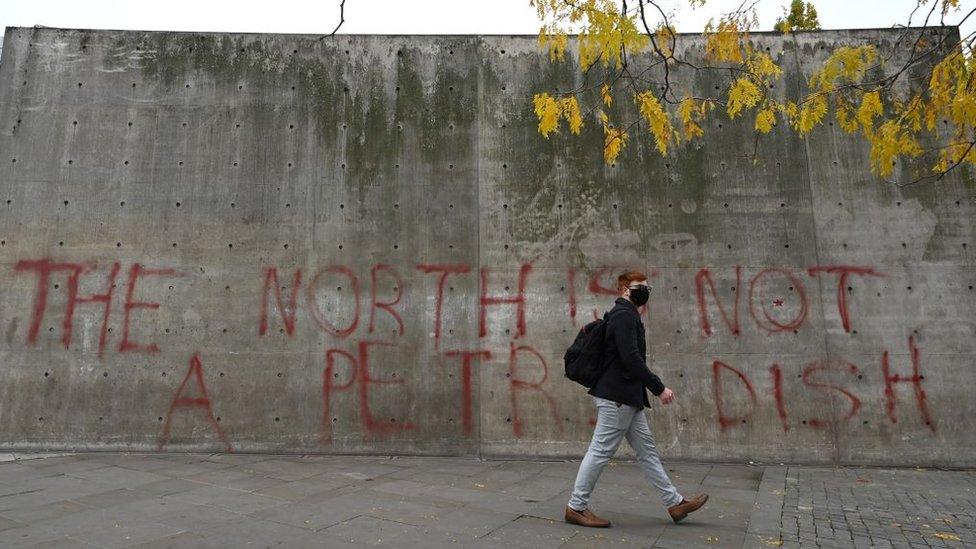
(188, 500)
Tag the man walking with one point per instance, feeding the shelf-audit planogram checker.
(620, 399)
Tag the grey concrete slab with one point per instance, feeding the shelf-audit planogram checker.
(376, 531)
(531, 532)
(259, 533)
(406, 182)
(42, 512)
(229, 499)
(790, 505)
(28, 536)
(300, 489)
(196, 518)
(168, 486)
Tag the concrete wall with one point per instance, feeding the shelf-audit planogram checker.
(361, 244)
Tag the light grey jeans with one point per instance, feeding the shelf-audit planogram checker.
(613, 423)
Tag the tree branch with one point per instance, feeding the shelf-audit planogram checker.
(342, 18)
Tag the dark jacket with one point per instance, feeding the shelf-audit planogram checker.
(625, 352)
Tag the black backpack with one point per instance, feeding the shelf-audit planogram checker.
(584, 358)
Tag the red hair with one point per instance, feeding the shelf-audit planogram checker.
(625, 279)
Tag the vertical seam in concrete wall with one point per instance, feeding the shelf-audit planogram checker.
(480, 48)
(832, 425)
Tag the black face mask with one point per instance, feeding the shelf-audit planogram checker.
(639, 296)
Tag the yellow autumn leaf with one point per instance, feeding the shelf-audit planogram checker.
(955, 153)
(844, 112)
(888, 142)
(663, 37)
(762, 67)
(946, 536)
(845, 65)
(555, 42)
(689, 114)
(547, 111)
(766, 119)
(870, 108)
(808, 115)
(658, 120)
(571, 112)
(605, 95)
(743, 94)
(614, 141)
(722, 41)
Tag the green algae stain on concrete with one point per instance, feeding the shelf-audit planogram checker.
(555, 188)
(359, 116)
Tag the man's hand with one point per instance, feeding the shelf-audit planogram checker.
(667, 396)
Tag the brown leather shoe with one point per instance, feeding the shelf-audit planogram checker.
(585, 518)
(682, 509)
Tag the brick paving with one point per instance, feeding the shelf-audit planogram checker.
(221, 500)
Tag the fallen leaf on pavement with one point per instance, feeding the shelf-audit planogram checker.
(946, 536)
(945, 520)
(480, 485)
